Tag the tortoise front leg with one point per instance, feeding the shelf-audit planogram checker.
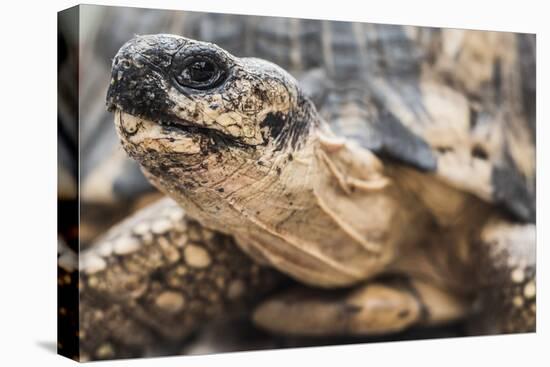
(507, 273)
(157, 277)
(378, 307)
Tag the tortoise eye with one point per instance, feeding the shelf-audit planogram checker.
(199, 72)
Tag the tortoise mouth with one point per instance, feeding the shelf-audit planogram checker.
(185, 128)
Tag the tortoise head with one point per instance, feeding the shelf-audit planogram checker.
(174, 94)
(202, 122)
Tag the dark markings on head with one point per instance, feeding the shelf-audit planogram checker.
(303, 117)
(138, 91)
(290, 130)
(274, 122)
(138, 74)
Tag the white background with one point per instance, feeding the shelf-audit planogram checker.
(28, 184)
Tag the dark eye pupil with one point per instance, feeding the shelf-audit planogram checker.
(200, 71)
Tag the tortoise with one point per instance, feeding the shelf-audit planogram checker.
(393, 196)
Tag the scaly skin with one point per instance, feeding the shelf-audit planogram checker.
(237, 144)
(157, 277)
